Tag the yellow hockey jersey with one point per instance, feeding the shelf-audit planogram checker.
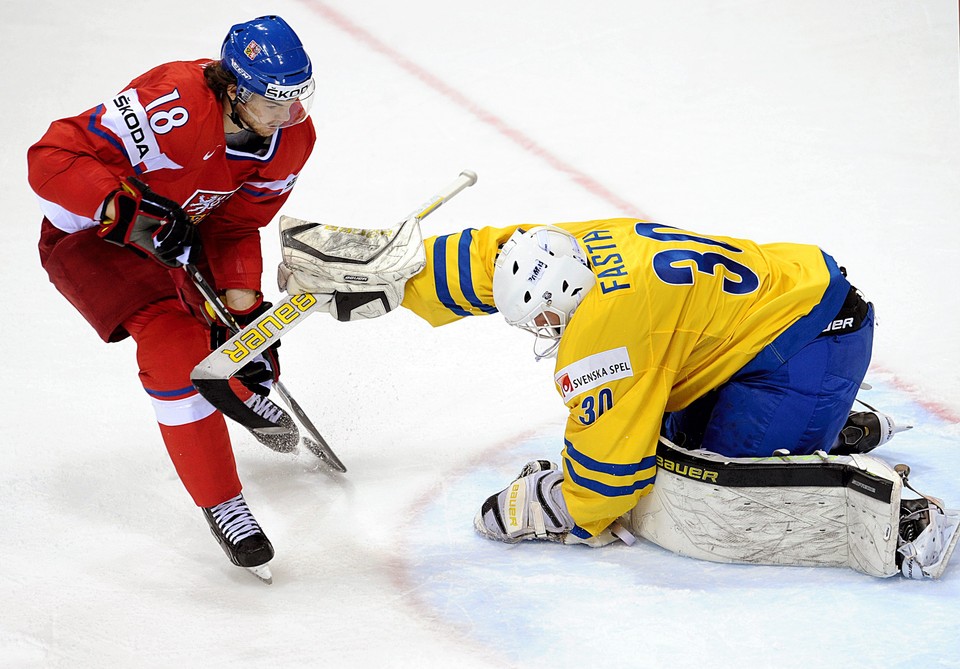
(673, 315)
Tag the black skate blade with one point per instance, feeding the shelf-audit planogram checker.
(325, 455)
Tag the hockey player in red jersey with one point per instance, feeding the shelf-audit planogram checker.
(184, 165)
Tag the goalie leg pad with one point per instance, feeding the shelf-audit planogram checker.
(814, 510)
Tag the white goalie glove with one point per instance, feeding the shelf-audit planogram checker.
(532, 508)
(363, 272)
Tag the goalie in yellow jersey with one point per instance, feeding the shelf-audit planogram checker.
(724, 344)
(741, 349)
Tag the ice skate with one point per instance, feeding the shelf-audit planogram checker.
(865, 431)
(927, 534)
(283, 436)
(240, 536)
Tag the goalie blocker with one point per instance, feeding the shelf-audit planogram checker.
(815, 510)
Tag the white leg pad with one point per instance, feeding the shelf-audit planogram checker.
(816, 510)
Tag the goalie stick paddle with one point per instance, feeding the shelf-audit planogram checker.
(211, 374)
(220, 395)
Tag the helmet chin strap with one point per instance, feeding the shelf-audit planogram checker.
(234, 116)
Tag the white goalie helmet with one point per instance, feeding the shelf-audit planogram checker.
(539, 280)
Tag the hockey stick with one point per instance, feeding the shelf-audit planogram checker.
(211, 374)
(232, 406)
(290, 311)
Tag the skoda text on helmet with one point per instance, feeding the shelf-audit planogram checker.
(269, 61)
(539, 279)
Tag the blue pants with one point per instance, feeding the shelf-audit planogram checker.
(799, 404)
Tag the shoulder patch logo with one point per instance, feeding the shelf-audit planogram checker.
(593, 371)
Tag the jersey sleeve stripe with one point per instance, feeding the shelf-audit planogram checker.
(269, 188)
(440, 276)
(253, 191)
(466, 273)
(95, 127)
(607, 468)
(603, 488)
(579, 532)
(63, 219)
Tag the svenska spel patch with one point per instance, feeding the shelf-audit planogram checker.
(594, 370)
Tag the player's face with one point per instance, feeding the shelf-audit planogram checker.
(265, 117)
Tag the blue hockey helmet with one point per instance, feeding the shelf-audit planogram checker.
(268, 59)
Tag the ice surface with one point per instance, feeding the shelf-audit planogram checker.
(824, 122)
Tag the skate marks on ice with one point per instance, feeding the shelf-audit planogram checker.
(543, 604)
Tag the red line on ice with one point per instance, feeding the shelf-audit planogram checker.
(527, 144)
(485, 116)
(939, 410)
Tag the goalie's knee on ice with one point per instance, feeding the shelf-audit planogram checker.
(814, 510)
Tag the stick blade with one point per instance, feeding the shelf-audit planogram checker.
(324, 454)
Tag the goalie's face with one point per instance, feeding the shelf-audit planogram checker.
(547, 326)
(547, 319)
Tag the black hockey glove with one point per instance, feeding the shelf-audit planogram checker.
(152, 224)
(256, 375)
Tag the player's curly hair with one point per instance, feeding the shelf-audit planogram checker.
(218, 78)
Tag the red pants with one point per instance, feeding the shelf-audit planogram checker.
(170, 342)
(120, 294)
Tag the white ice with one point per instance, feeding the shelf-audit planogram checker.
(835, 123)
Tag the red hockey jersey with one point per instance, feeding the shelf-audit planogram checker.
(166, 127)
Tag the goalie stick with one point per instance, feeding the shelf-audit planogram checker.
(210, 376)
(219, 394)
